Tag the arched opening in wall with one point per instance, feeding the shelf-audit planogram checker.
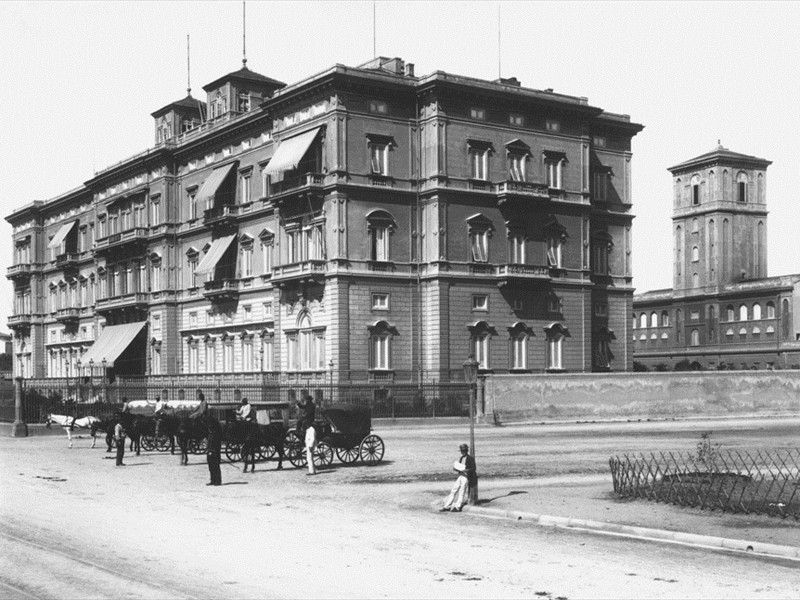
(695, 190)
(741, 187)
(759, 249)
(664, 318)
(643, 319)
(695, 338)
(555, 335)
(756, 311)
(653, 319)
(770, 310)
(518, 336)
(695, 280)
(743, 312)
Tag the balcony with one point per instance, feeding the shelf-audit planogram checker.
(129, 240)
(68, 260)
(68, 315)
(521, 191)
(221, 289)
(299, 272)
(303, 183)
(20, 321)
(516, 274)
(220, 215)
(134, 300)
(21, 271)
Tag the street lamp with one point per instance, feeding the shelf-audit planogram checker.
(471, 377)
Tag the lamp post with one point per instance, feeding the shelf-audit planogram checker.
(105, 385)
(471, 377)
(78, 380)
(91, 378)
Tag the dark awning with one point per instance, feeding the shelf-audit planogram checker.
(291, 151)
(61, 234)
(111, 343)
(214, 254)
(211, 185)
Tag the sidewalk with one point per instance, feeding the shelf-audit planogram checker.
(588, 502)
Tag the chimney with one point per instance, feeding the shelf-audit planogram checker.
(409, 69)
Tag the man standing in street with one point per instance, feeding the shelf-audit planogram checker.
(467, 479)
(214, 450)
(119, 439)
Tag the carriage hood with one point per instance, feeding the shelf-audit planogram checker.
(349, 418)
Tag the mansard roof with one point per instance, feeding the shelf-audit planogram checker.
(721, 155)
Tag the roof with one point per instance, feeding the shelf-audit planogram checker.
(245, 74)
(189, 102)
(721, 154)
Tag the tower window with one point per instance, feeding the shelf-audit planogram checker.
(695, 194)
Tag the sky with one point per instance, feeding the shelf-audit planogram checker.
(81, 79)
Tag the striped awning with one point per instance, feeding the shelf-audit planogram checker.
(211, 185)
(61, 234)
(111, 343)
(214, 254)
(291, 151)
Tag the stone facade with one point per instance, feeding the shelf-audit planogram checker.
(362, 222)
(724, 311)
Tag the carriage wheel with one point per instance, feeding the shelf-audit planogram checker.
(161, 443)
(323, 454)
(294, 450)
(148, 443)
(233, 451)
(372, 450)
(348, 455)
(199, 446)
(267, 451)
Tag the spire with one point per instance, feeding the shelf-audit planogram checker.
(188, 69)
(244, 36)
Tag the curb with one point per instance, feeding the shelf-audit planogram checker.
(643, 533)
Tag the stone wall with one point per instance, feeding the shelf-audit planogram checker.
(519, 398)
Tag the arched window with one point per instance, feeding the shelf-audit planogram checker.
(479, 228)
(653, 319)
(756, 311)
(305, 345)
(695, 340)
(664, 318)
(695, 225)
(741, 186)
(695, 190)
(695, 280)
(643, 320)
(633, 324)
(556, 334)
(480, 338)
(380, 225)
(518, 336)
(731, 313)
(695, 254)
(743, 312)
(770, 310)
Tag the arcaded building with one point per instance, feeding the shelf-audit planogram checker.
(362, 223)
(723, 311)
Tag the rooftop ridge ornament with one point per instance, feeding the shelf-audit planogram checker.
(244, 36)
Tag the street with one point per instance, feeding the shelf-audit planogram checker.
(75, 526)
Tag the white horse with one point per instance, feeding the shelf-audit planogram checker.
(69, 423)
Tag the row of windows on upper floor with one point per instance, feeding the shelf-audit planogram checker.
(745, 313)
(694, 335)
(698, 192)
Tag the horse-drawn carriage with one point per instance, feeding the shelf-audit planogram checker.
(345, 429)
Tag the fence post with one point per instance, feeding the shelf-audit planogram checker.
(20, 428)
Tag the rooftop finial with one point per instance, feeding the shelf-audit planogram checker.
(244, 36)
(719, 144)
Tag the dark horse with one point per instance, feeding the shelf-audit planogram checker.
(133, 425)
(253, 437)
(182, 428)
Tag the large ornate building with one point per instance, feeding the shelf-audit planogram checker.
(362, 221)
(723, 311)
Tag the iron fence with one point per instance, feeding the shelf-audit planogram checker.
(390, 399)
(761, 482)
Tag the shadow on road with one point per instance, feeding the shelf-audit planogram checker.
(487, 501)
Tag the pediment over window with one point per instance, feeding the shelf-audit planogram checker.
(557, 328)
(382, 327)
(266, 236)
(480, 222)
(480, 144)
(519, 328)
(380, 218)
(517, 146)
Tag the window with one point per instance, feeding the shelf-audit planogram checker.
(516, 119)
(741, 185)
(479, 228)
(555, 304)
(479, 163)
(193, 319)
(555, 242)
(743, 312)
(155, 272)
(380, 224)
(379, 157)
(770, 310)
(248, 363)
(555, 347)
(192, 260)
(599, 141)
(480, 338)
(695, 254)
(267, 310)
(519, 346)
(731, 313)
(265, 180)
(653, 319)
(211, 355)
(155, 210)
(601, 185)
(602, 349)
(694, 315)
(551, 125)
(244, 187)
(227, 355)
(600, 251)
(554, 169)
(267, 244)
(267, 357)
(191, 198)
(516, 249)
(244, 102)
(478, 114)
(380, 301)
(664, 319)
(516, 167)
(601, 309)
(156, 322)
(695, 338)
(480, 302)
(380, 346)
(306, 346)
(696, 194)
(247, 260)
(756, 312)
(378, 107)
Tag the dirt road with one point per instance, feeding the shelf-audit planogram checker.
(74, 526)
